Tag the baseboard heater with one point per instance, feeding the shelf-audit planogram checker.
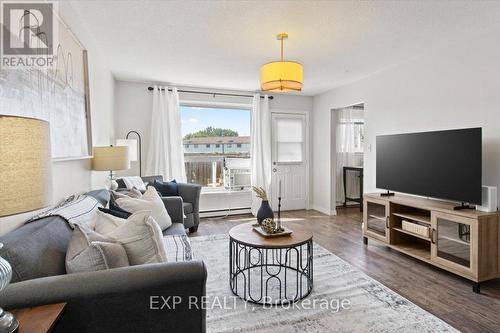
(223, 212)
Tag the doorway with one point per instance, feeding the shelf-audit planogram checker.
(348, 144)
(289, 157)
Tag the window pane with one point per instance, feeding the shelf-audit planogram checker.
(289, 130)
(213, 136)
(289, 152)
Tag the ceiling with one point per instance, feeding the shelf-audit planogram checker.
(222, 44)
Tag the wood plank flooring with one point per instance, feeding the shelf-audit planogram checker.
(443, 294)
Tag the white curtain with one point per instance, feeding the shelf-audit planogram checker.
(260, 147)
(165, 154)
(346, 152)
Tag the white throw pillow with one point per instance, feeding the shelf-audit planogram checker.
(89, 251)
(142, 239)
(150, 201)
(134, 181)
(105, 223)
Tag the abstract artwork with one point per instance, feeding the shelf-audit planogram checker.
(58, 94)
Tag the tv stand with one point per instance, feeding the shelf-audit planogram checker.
(387, 194)
(464, 242)
(464, 206)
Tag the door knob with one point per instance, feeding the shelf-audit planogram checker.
(274, 169)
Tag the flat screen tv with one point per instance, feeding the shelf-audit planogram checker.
(440, 164)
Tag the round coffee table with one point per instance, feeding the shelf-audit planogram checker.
(270, 270)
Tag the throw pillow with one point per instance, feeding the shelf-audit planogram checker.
(151, 202)
(134, 181)
(167, 189)
(116, 211)
(106, 223)
(142, 239)
(89, 251)
(121, 183)
(178, 248)
(132, 193)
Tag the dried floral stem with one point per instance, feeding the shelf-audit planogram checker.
(260, 192)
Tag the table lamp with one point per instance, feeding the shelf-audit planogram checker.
(25, 167)
(111, 158)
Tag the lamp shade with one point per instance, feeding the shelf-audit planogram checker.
(111, 158)
(281, 76)
(132, 147)
(25, 163)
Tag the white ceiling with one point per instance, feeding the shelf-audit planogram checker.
(222, 44)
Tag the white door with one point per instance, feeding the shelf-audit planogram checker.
(289, 155)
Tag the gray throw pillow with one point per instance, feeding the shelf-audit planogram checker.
(89, 251)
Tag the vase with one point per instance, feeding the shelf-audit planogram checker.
(264, 212)
(8, 322)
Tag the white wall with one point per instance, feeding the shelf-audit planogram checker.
(70, 177)
(133, 112)
(456, 86)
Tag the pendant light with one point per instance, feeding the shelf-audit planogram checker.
(281, 76)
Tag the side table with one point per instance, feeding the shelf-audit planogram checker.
(38, 319)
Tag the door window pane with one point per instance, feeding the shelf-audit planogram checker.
(289, 152)
(289, 130)
(289, 140)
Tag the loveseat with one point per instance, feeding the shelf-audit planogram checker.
(127, 299)
(190, 195)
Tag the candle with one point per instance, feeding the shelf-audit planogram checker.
(279, 191)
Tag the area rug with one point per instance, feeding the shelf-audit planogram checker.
(343, 299)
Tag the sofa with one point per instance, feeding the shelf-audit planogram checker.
(190, 195)
(114, 300)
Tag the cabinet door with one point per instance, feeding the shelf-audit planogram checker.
(376, 219)
(454, 242)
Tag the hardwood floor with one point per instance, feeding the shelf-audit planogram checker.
(443, 294)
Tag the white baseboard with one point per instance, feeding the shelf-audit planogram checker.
(225, 212)
(324, 210)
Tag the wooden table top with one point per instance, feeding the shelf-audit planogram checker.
(38, 319)
(244, 234)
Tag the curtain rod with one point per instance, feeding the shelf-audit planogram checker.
(209, 93)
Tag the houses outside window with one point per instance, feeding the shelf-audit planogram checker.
(216, 146)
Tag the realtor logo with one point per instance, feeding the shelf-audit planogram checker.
(28, 33)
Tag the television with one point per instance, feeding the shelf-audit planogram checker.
(438, 164)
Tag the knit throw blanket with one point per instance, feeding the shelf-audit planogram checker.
(77, 209)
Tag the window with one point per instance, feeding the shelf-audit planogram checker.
(356, 128)
(218, 165)
(289, 140)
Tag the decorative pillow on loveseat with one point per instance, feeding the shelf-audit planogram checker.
(150, 201)
(116, 211)
(141, 237)
(167, 189)
(89, 251)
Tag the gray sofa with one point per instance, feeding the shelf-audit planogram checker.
(115, 300)
(190, 195)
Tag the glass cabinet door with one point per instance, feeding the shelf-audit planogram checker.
(376, 220)
(452, 240)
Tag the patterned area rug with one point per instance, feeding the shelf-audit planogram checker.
(344, 299)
